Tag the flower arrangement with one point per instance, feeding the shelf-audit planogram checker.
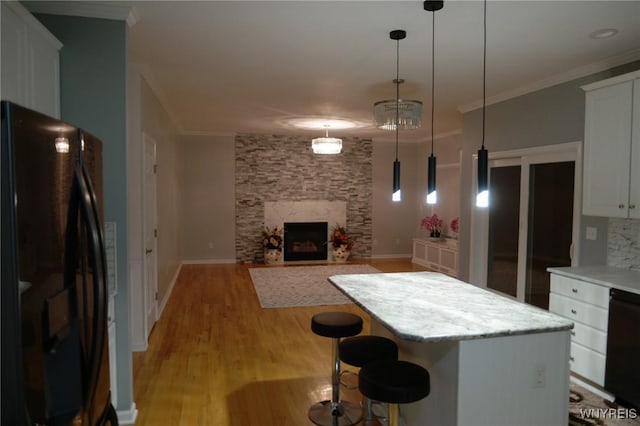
(272, 238)
(455, 225)
(433, 224)
(339, 237)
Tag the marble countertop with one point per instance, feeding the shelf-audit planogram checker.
(431, 307)
(608, 276)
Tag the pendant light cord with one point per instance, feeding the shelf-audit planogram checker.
(433, 71)
(397, 93)
(484, 70)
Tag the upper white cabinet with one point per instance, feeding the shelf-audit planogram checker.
(30, 61)
(612, 147)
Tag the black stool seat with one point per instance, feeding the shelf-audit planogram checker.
(395, 382)
(336, 324)
(361, 350)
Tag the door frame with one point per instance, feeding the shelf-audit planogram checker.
(149, 305)
(571, 151)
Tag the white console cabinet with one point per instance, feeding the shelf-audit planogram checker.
(612, 147)
(586, 304)
(30, 61)
(439, 255)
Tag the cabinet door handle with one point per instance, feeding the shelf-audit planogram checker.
(575, 290)
(573, 311)
(571, 359)
(632, 206)
(621, 206)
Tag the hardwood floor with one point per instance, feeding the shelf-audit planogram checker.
(217, 358)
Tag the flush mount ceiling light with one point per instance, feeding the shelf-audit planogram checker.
(326, 145)
(603, 33)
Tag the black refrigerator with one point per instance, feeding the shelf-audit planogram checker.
(55, 362)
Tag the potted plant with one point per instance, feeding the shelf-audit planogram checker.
(455, 226)
(433, 225)
(341, 244)
(272, 241)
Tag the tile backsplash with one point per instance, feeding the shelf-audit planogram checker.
(623, 246)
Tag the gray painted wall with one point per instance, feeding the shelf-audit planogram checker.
(549, 116)
(207, 198)
(93, 64)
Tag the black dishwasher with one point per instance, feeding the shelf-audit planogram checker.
(622, 374)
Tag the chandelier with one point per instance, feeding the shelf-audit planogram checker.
(326, 145)
(409, 112)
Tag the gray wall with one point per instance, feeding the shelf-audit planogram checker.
(93, 64)
(549, 116)
(207, 198)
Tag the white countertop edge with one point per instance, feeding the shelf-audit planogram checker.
(607, 276)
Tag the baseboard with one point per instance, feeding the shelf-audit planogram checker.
(167, 295)
(208, 261)
(392, 256)
(590, 387)
(128, 417)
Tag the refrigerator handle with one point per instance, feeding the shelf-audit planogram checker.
(85, 197)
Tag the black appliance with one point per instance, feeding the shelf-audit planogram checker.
(622, 374)
(55, 365)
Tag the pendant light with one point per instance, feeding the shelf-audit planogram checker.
(326, 145)
(432, 195)
(482, 196)
(396, 194)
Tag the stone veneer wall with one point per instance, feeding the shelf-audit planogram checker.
(283, 168)
(623, 245)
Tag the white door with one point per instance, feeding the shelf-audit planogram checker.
(150, 234)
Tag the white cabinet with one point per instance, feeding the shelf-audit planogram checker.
(30, 61)
(587, 305)
(612, 147)
(438, 255)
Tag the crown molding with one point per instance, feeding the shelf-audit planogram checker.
(88, 9)
(564, 77)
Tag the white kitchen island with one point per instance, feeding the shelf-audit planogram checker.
(492, 360)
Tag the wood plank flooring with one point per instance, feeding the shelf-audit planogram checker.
(217, 358)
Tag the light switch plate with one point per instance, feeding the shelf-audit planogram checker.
(591, 233)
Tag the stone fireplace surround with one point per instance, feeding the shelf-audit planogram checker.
(271, 168)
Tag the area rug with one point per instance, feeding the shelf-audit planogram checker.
(587, 408)
(288, 286)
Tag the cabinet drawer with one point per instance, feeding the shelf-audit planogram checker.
(580, 290)
(589, 337)
(587, 314)
(587, 363)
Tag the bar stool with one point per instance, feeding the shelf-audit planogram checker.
(362, 350)
(394, 382)
(335, 412)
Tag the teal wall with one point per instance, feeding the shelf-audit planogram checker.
(93, 71)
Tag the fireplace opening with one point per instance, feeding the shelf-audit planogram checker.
(305, 240)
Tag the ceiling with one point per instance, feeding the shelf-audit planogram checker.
(221, 67)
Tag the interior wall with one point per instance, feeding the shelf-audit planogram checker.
(395, 224)
(156, 123)
(207, 198)
(549, 116)
(93, 66)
